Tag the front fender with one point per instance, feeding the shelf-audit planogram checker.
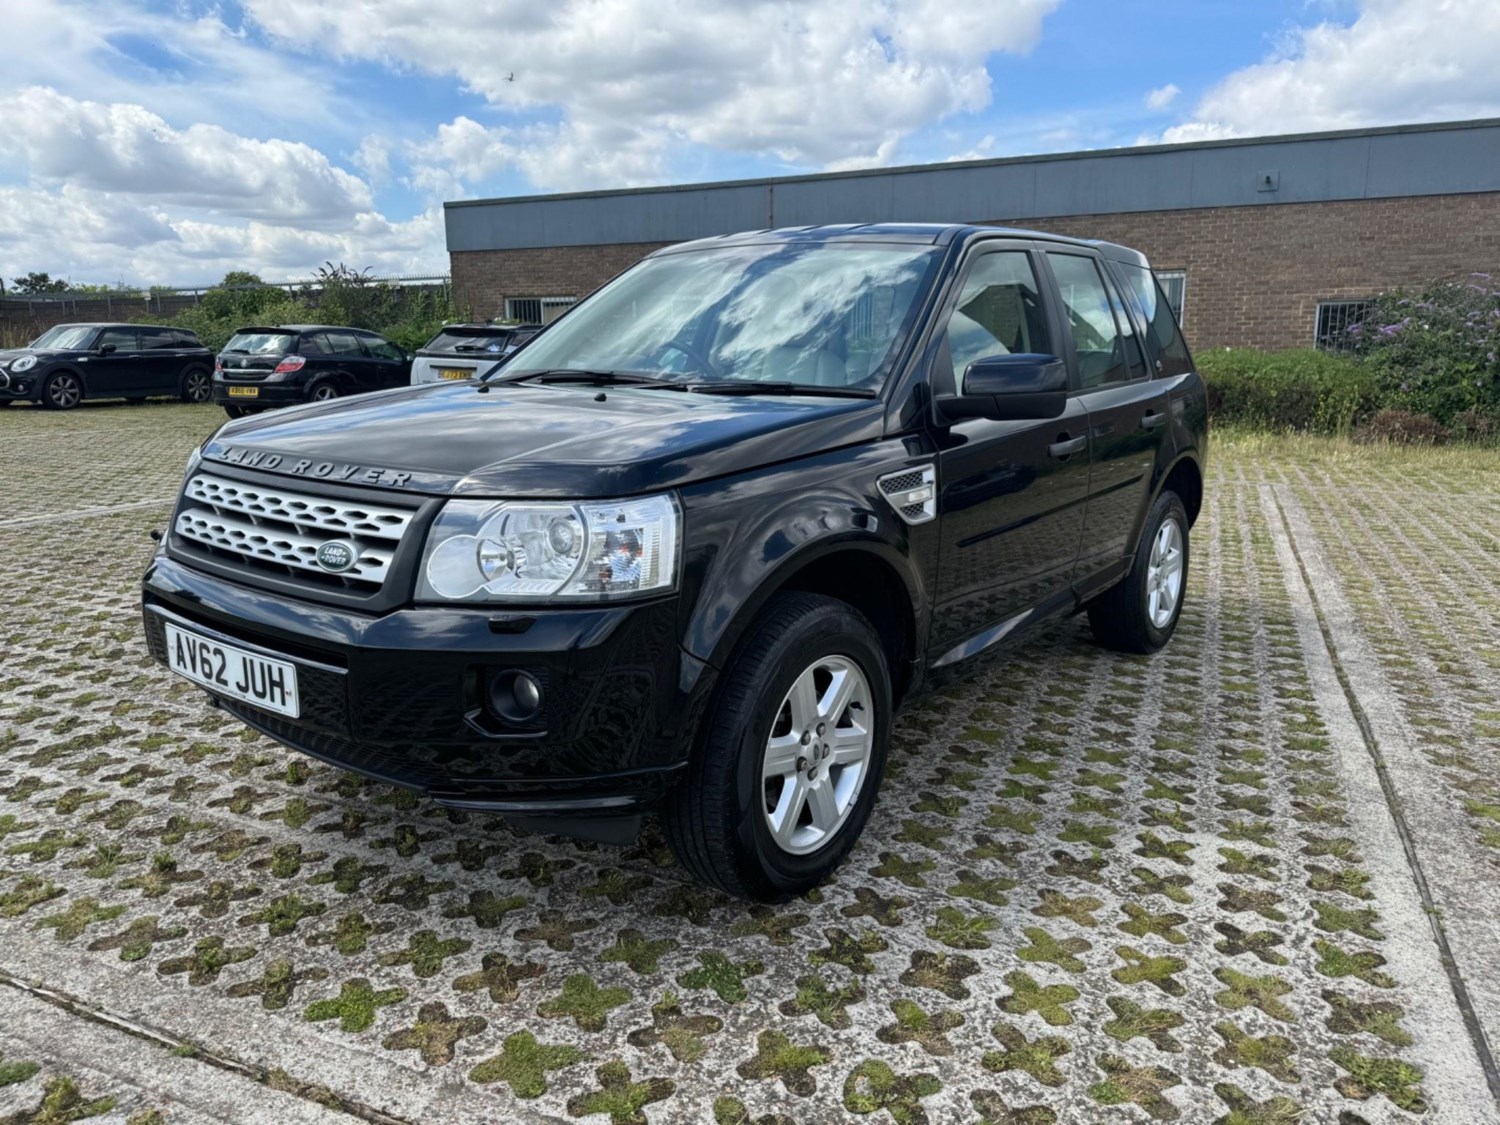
(747, 536)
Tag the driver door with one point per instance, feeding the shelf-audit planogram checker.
(1011, 496)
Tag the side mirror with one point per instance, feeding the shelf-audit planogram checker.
(1010, 388)
(106, 349)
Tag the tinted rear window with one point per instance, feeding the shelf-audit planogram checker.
(261, 343)
(468, 341)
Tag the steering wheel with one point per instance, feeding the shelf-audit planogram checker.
(703, 362)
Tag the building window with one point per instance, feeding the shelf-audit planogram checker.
(536, 310)
(1174, 285)
(1335, 319)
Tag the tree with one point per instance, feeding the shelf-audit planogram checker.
(36, 283)
(237, 278)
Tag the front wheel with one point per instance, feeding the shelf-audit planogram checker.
(792, 755)
(62, 391)
(1140, 612)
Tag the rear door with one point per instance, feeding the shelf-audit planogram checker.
(116, 373)
(389, 364)
(1127, 412)
(162, 360)
(346, 362)
(1011, 494)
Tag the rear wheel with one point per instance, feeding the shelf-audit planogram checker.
(322, 392)
(197, 385)
(63, 390)
(1140, 613)
(792, 754)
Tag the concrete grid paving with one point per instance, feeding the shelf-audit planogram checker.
(1096, 888)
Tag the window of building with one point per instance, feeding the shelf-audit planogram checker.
(536, 310)
(1174, 285)
(1335, 319)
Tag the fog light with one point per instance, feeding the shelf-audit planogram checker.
(515, 697)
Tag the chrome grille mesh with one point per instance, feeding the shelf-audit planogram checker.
(282, 530)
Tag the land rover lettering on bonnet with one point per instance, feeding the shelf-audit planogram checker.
(687, 551)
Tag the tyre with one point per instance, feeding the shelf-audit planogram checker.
(1140, 612)
(791, 755)
(234, 411)
(63, 390)
(322, 392)
(197, 385)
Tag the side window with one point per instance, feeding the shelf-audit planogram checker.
(342, 343)
(999, 312)
(1096, 335)
(188, 340)
(312, 344)
(124, 339)
(1134, 358)
(1165, 348)
(382, 349)
(158, 339)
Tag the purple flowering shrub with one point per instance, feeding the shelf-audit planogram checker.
(1436, 351)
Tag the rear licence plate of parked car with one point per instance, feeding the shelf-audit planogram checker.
(454, 372)
(226, 670)
(243, 392)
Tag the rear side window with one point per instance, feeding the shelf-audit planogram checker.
(1096, 334)
(1165, 347)
(158, 339)
(382, 349)
(312, 344)
(188, 340)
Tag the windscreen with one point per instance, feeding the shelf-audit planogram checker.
(824, 314)
(65, 337)
(261, 343)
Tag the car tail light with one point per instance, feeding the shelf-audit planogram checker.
(291, 363)
(218, 366)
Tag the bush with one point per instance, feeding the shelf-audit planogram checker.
(1305, 390)
(1402, 427)
(1436, 351)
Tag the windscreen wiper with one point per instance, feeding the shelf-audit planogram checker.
(758, 387)
(594, 378)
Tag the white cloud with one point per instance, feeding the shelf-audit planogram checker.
(624, 83)
(126, 148)
(1162, 96)
(1399, 61)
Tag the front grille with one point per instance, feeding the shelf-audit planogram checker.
(279, 532)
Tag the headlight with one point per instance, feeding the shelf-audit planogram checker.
(489, 550)
(25, 363)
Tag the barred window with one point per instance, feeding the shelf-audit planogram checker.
(536, 310)
(1335, 319)
(1174, 285)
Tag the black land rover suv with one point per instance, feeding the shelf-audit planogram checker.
(695, 545)
(290, 363)
(72, 362)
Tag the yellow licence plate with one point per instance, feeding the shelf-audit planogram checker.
(244, 392)
(455, 372)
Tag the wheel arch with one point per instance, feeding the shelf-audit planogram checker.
(1184, 477)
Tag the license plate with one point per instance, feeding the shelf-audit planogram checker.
(455, 372)
(224, 669)
(243, 392)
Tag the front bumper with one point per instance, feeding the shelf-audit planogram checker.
(400, 696)
(266, 394)
(20, 388)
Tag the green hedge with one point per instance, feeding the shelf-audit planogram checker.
(1305, 389)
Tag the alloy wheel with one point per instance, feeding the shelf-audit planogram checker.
(324, 392)
(64, 391)
(1164, 574)
(198, 386)
(818, 754)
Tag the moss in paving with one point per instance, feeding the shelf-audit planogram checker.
(1245, 1110)
(349, 874)
(276, 985)
(62, 1101)
(1046, 949)
(1271, 1053)
(81, 914)
(779, 1058)
(355, 1006)
(914, 1024)
(16, 1071)
(993, 1109)
(616, 885)
(1172, 886)
(1142, 968)
(1266, 903)
(486, 908)
(1260, 943)
(28, 892)
(679, 1032)
(1132, 1021)
(830, 1005)
(1349, 881)
(426, 953)
(622, 1099)
(873, 1085)
(45, 847)
(1244, 991)
(725, 977)
(136, 940)
(870, 903)
(849, 950)
(350, 934)
(1335, 961)
(695, 905)
(1049, 1001)
(434, 1034)
(777, 925)
(523, 1063)
(1136, 1085)
(1141, 921)
(1154, 847)
(1037, 1057)
(1066, 865)
(959, 930)
(1369, 1075)
(1380, 1018)
(903, 870)
(1334, 918)
(584, 1001)
(556, 930)
(944, 972)
(1055, 904)
(500, 977)
(634, 949)
(284, 915)
(981, 889)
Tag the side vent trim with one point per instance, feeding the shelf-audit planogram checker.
(912, 492)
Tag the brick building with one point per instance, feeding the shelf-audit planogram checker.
(1267, 242)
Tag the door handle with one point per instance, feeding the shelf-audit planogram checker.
(1153, 418)
(1065, 446)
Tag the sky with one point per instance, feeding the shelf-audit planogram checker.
(170, 141)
